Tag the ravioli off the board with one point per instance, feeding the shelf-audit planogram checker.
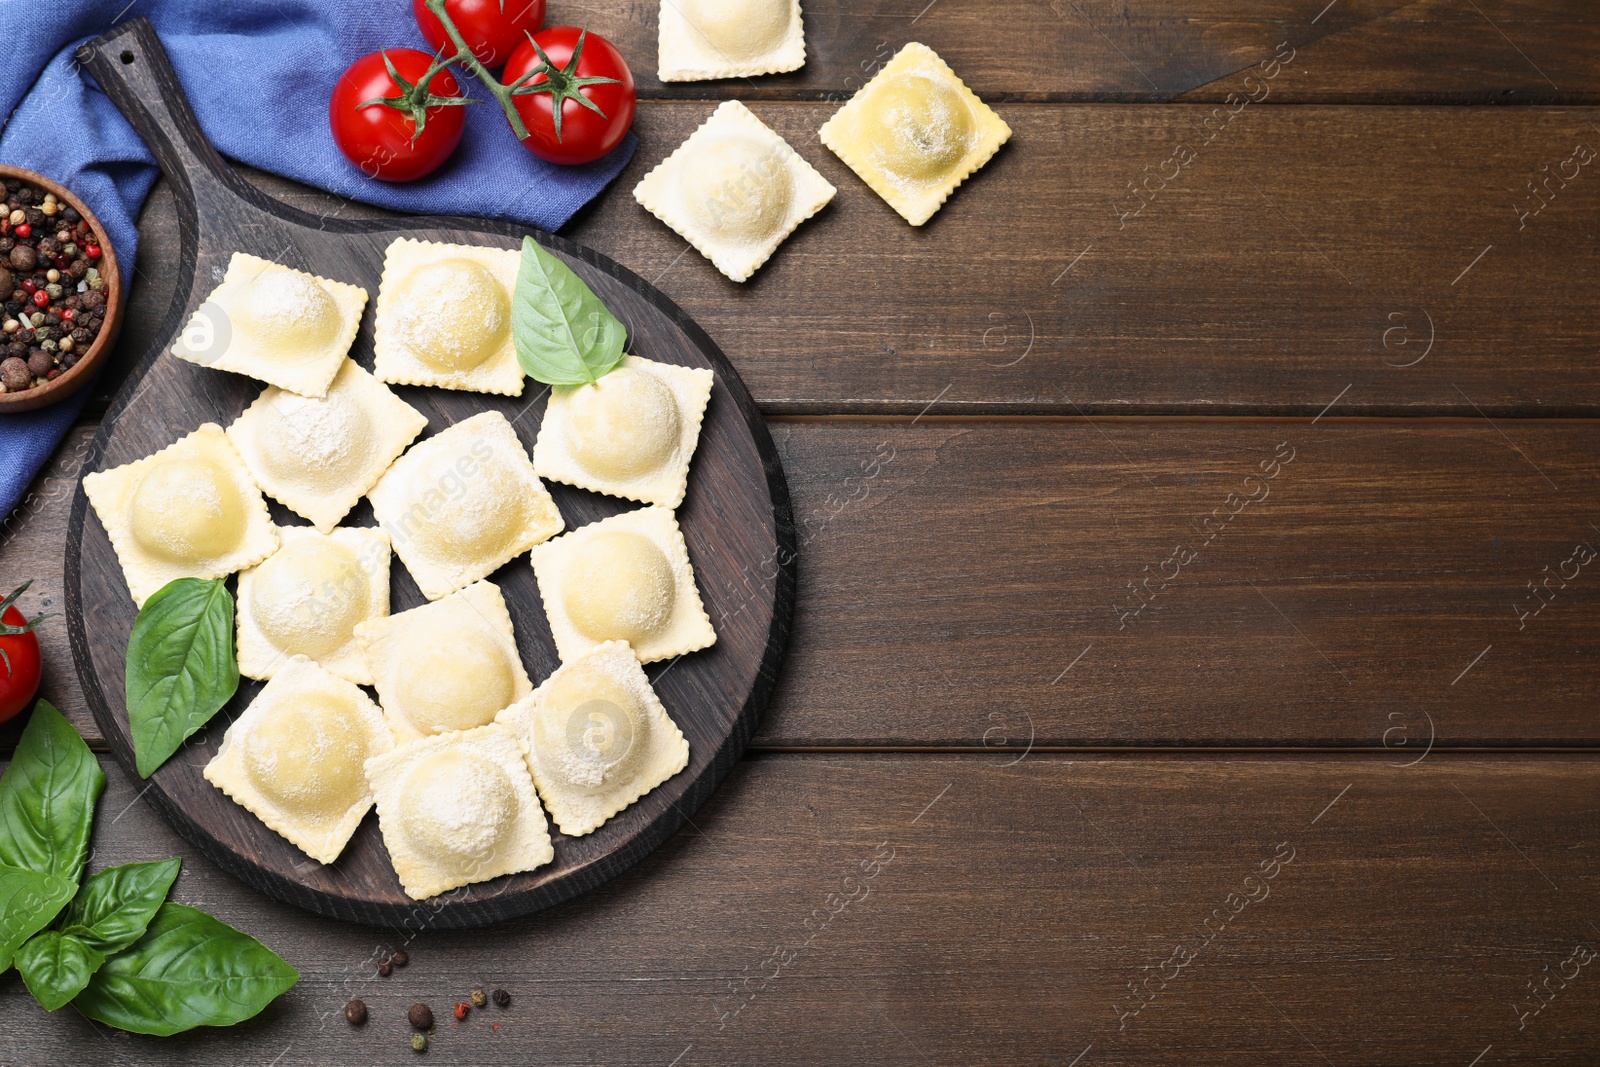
(736, 522)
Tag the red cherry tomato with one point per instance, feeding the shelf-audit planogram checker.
(383, 139)
(19, 658)
(491, 28)
(600, 75)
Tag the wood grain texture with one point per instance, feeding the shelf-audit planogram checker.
(735, 519)
(941, 599)
(1389, 51)
(1304, 250)
(1016, 906)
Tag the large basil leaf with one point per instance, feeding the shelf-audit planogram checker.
(564, 335)
(114, 906)
(187, 970)
(56, 967)
(47, 798)
(28, 901)
(181, 667)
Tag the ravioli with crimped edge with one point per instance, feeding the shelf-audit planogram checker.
(915, 132)
(307, 598)
(457, 809)
(734, 190)
(630, 434)
(462, 503)
(626, 578)
(449, 665)
(276, 324)
(296, 758)
(319, 456)
(700, 40)
(444, 317)
(190, 510)
(596, 737)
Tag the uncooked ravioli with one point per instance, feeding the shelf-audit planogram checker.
(705, 39)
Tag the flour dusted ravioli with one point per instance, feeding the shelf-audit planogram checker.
(596, 737)
(459, 808)
(915, 132)
(626, 578)
(449, 665)
(306, 599)
(188, 511)
(444, 317)
(460, 504)
(734, 190)
(631, 434)
(296, 758)
(318, 457)
(279, 325)
(704, 39)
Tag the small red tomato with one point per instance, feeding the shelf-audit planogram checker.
(491, 28)
(386, 123)
(19, 656)
(24, 230)
(591, 81)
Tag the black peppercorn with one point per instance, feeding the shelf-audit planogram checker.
(400, 959)
(70, 214)
(78, 268)
(93, 299)
(501, 998)
(69, 360)
(34, 215)
(385, 968)
(49, 246)
(80, 336)
(420, 1016)
(355, 1013)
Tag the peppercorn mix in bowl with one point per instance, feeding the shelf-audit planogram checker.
(61, 291)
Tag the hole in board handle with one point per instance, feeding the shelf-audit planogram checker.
(126, 57)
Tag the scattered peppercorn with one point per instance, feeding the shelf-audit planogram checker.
(479, 998)
(420, 1016)
(400, 959)
(385, 968)
(355, 1013)
(419, 1043)
(501, 998)
(462, 1009)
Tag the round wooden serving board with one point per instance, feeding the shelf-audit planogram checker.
(736, 519)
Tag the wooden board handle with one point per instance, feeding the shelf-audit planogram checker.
(132, 68)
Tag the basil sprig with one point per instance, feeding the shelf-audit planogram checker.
(123, 953)
(563, 334)
(181, 667)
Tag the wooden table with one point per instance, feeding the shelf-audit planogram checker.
(1317, 787)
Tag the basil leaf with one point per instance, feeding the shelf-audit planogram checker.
(181, 667)
(28, 901)
(56, 967)
(47, 798)
(114, 906)
(187, 970)
(563, 333)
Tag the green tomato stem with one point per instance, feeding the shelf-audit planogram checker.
(465, 57)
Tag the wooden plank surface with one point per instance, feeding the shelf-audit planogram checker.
(1492, 51)
(1304, 250)
(917, 910)
(952, 570)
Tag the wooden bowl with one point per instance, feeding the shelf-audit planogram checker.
(83, 371)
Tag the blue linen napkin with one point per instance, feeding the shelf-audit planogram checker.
(258, 74)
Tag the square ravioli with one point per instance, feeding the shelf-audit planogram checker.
(705, 39)
(626, 578)
(735, 190)
(319, 456)
(596, 737)
(450, 665)
(306, 599)
(462, 503)
(915, 132)
(296, 758)
(444, 317)
(459, 808)
(279, 325)
(631, 434)
(190, 510)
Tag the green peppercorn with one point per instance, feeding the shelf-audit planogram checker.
(419, 1043)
